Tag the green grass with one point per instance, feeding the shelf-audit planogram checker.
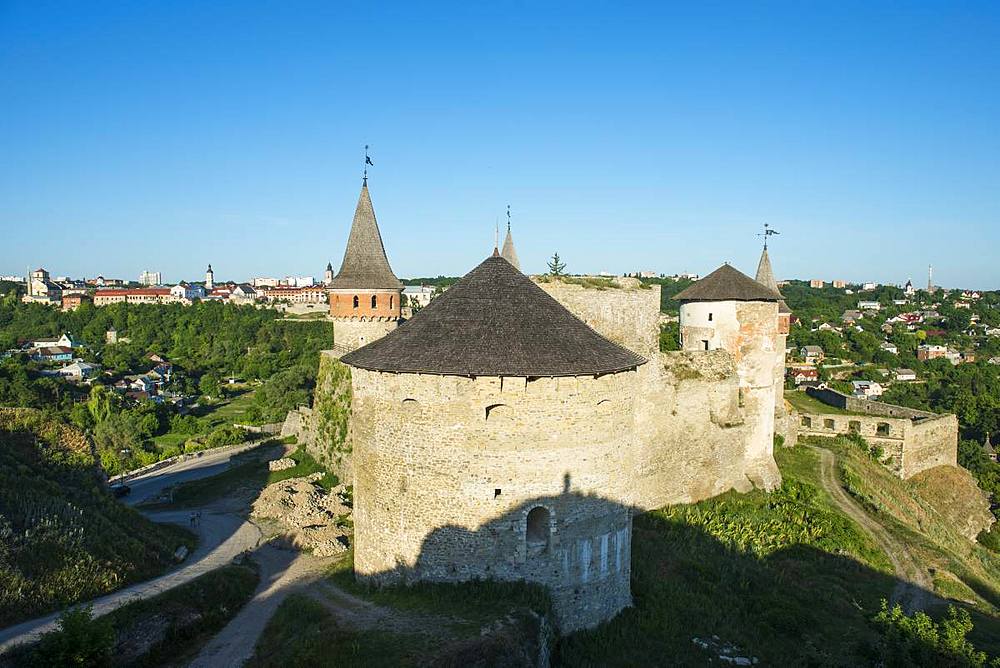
(303, 632)
(784, 576)
(210, 418)
(803, 403)
(476, 602)
(251, 475)
(63, 537)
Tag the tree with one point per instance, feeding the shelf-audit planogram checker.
(556, 268)
(80, 640)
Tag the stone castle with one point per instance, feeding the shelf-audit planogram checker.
(512, 428)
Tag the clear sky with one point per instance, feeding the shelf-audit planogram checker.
(625, 136)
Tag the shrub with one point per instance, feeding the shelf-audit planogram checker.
(80, 640)
(920, 641)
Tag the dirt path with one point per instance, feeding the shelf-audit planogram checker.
(914, 589)
(359, 614)
(282, 572)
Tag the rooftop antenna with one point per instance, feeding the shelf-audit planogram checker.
(768, 231)
(496, 236)
(368, 161)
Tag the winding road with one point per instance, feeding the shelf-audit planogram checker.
(914, 588)
(223, 534)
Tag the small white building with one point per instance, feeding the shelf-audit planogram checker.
(889, 347)
(869, 306)
(79, 370)
(905, 375)
(867, 389)
(419, 294)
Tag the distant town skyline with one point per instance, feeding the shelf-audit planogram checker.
(164, 138)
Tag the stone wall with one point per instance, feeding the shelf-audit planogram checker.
(910, 445)
(866, 406)
(324, 429)
(448, 471)
(352, 334)
(626, 313)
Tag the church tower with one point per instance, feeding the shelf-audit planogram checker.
(765, 276)
(509, 253)
(209, 278)
(365, 293)
(328, 275)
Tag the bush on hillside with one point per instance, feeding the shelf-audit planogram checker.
(80, 640)
(920, 641)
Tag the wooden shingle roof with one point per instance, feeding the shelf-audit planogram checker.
(365, 264)
(765, 276)
(727, 284)
(494, 322)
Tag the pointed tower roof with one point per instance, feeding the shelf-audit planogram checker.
(365, 264)
(727, 284)
(765, 276)
(509, 253)
(494, 322)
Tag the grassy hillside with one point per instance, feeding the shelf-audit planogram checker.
(63, 538)
(787, 578)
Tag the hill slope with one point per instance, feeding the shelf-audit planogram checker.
(63, 538)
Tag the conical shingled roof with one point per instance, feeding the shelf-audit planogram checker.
(494, 322)
(765, 276)
(727, 284)
(365, 265)
(508, 253)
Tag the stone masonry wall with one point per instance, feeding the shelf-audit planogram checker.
(447, 470)
(909, 445)
(626, 314)
(867, 406)
(352, 334)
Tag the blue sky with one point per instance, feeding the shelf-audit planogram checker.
(625, 136)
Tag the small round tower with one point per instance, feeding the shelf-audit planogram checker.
(209, 278)
(492, 439)
(729, 310)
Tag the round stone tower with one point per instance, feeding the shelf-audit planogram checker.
(365, 294)
(727, 309)
(492, 439)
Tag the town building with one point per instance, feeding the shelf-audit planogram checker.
(817, 283)
(812, 354)
(839, 284)
(419, 295)
(905, 375)
(72, 302)
(931, 352)
(132, 296)
(209, 279)
(150, 278)
(314, 294)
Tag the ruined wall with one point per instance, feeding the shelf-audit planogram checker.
(323, 429)
(692, 431)
(627, 313)
(909, 445)
(930, 442)
(447, 470)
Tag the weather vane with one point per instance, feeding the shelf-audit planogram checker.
(768, 231)
(508, 217)
(368, 161)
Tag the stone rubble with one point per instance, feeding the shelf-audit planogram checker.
(281, 464)
(727, 652)
(311, 517)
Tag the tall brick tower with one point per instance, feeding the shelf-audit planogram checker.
(365, 294)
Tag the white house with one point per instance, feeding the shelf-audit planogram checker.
(421, 294)
(184, 291)
(866, 389)
(65, 340)
(889, 347)
(869, 306)
(904, 375)
(79, 371)
(811, 354)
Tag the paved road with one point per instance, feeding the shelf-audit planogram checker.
(223, 535)
(914, 589)
(208, 464)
